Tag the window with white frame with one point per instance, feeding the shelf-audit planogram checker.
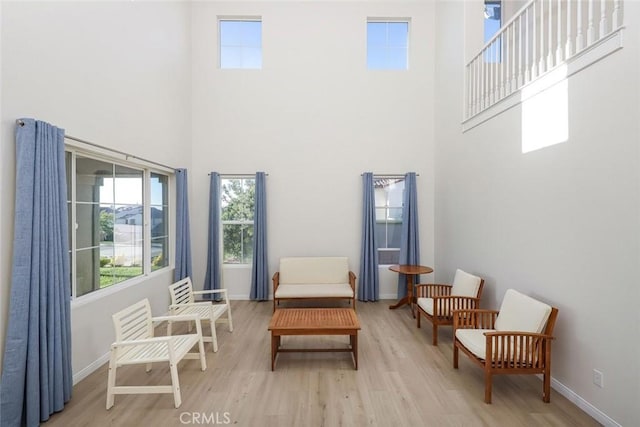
(387, 44)
(237, 210)
(240, 43)
(389, 195)
(116, 231)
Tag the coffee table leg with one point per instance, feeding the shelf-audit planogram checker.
(274, 349)
(354, 347)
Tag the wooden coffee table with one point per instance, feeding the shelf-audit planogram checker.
(314, 321)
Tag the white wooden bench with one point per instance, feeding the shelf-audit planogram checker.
(136, 345)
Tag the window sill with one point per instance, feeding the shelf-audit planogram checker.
(102, 293)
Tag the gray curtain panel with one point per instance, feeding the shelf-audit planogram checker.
(368, 285)
(260, 269)
(410, 235)
(36, 375)
(212, 279)
(183, 237)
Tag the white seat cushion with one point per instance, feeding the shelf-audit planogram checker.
(426, 304)
(474, 340)
(465, 284)
(520, 312)
(324, 290)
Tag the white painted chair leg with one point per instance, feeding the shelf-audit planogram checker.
(175, 384)
(214, 336)
(229, 317)
(111, 381)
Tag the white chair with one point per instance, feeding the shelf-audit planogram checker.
(183, 302)
(135, 345)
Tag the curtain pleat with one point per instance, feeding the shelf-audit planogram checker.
(183, 236)
(212, 279)
(410, 236)
(37, 376)
(368, 286)
(260, 268)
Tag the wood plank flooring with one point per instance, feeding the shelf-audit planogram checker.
(402, 381)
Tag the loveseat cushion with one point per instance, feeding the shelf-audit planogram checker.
(520, 312)
(465, 284)
(311, 290)
(314, 270)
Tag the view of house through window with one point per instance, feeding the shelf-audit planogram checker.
(237, 206)
(387, 44)
(240, 43)
(492, 24)
(389, 194)
(107, 211)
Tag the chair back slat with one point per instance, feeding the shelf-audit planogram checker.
(134, 322)
(182, 292)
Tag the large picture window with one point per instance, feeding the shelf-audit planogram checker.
(118, 222)
(237, 205)
(389, 193)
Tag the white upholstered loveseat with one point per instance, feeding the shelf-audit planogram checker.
(301, 278)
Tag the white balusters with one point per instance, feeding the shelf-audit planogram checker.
(543, 35)
(591, 32)
(603, 18)
(616, 18)
(568, 47)
(579, 33)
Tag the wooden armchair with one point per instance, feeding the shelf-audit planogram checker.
(183, 302)
(136, 345)
(436, 302)
(515, 340)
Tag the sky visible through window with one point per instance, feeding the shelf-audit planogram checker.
(387, 45)
(241, 44)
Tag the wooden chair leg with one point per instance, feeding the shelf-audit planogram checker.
(487, 386)
(455, 355)
(418, 317)
(434, 331)
(546, 391)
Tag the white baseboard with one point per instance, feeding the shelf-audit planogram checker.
(587, 407)
(85, 372)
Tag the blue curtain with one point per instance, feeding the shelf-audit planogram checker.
(36, 375)
(410, 236)
(183, 237)
(368, 289)
(212, 279)
(260, 269)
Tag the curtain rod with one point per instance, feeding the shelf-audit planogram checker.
(122, 153)
(236, 174)
(394, 175)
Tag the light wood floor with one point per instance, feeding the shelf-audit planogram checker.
(402, 381)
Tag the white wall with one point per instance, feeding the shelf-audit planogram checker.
(561, 223)
(314, 119)
(114, 73)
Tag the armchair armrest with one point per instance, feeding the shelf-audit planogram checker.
(474, 319)
(209, 291)
(430, 290)
(352, 281)
(177, 318)
(276, 281)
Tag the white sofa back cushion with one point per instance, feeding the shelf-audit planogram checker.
(465, 284)
(314, 270)
(520, 312)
